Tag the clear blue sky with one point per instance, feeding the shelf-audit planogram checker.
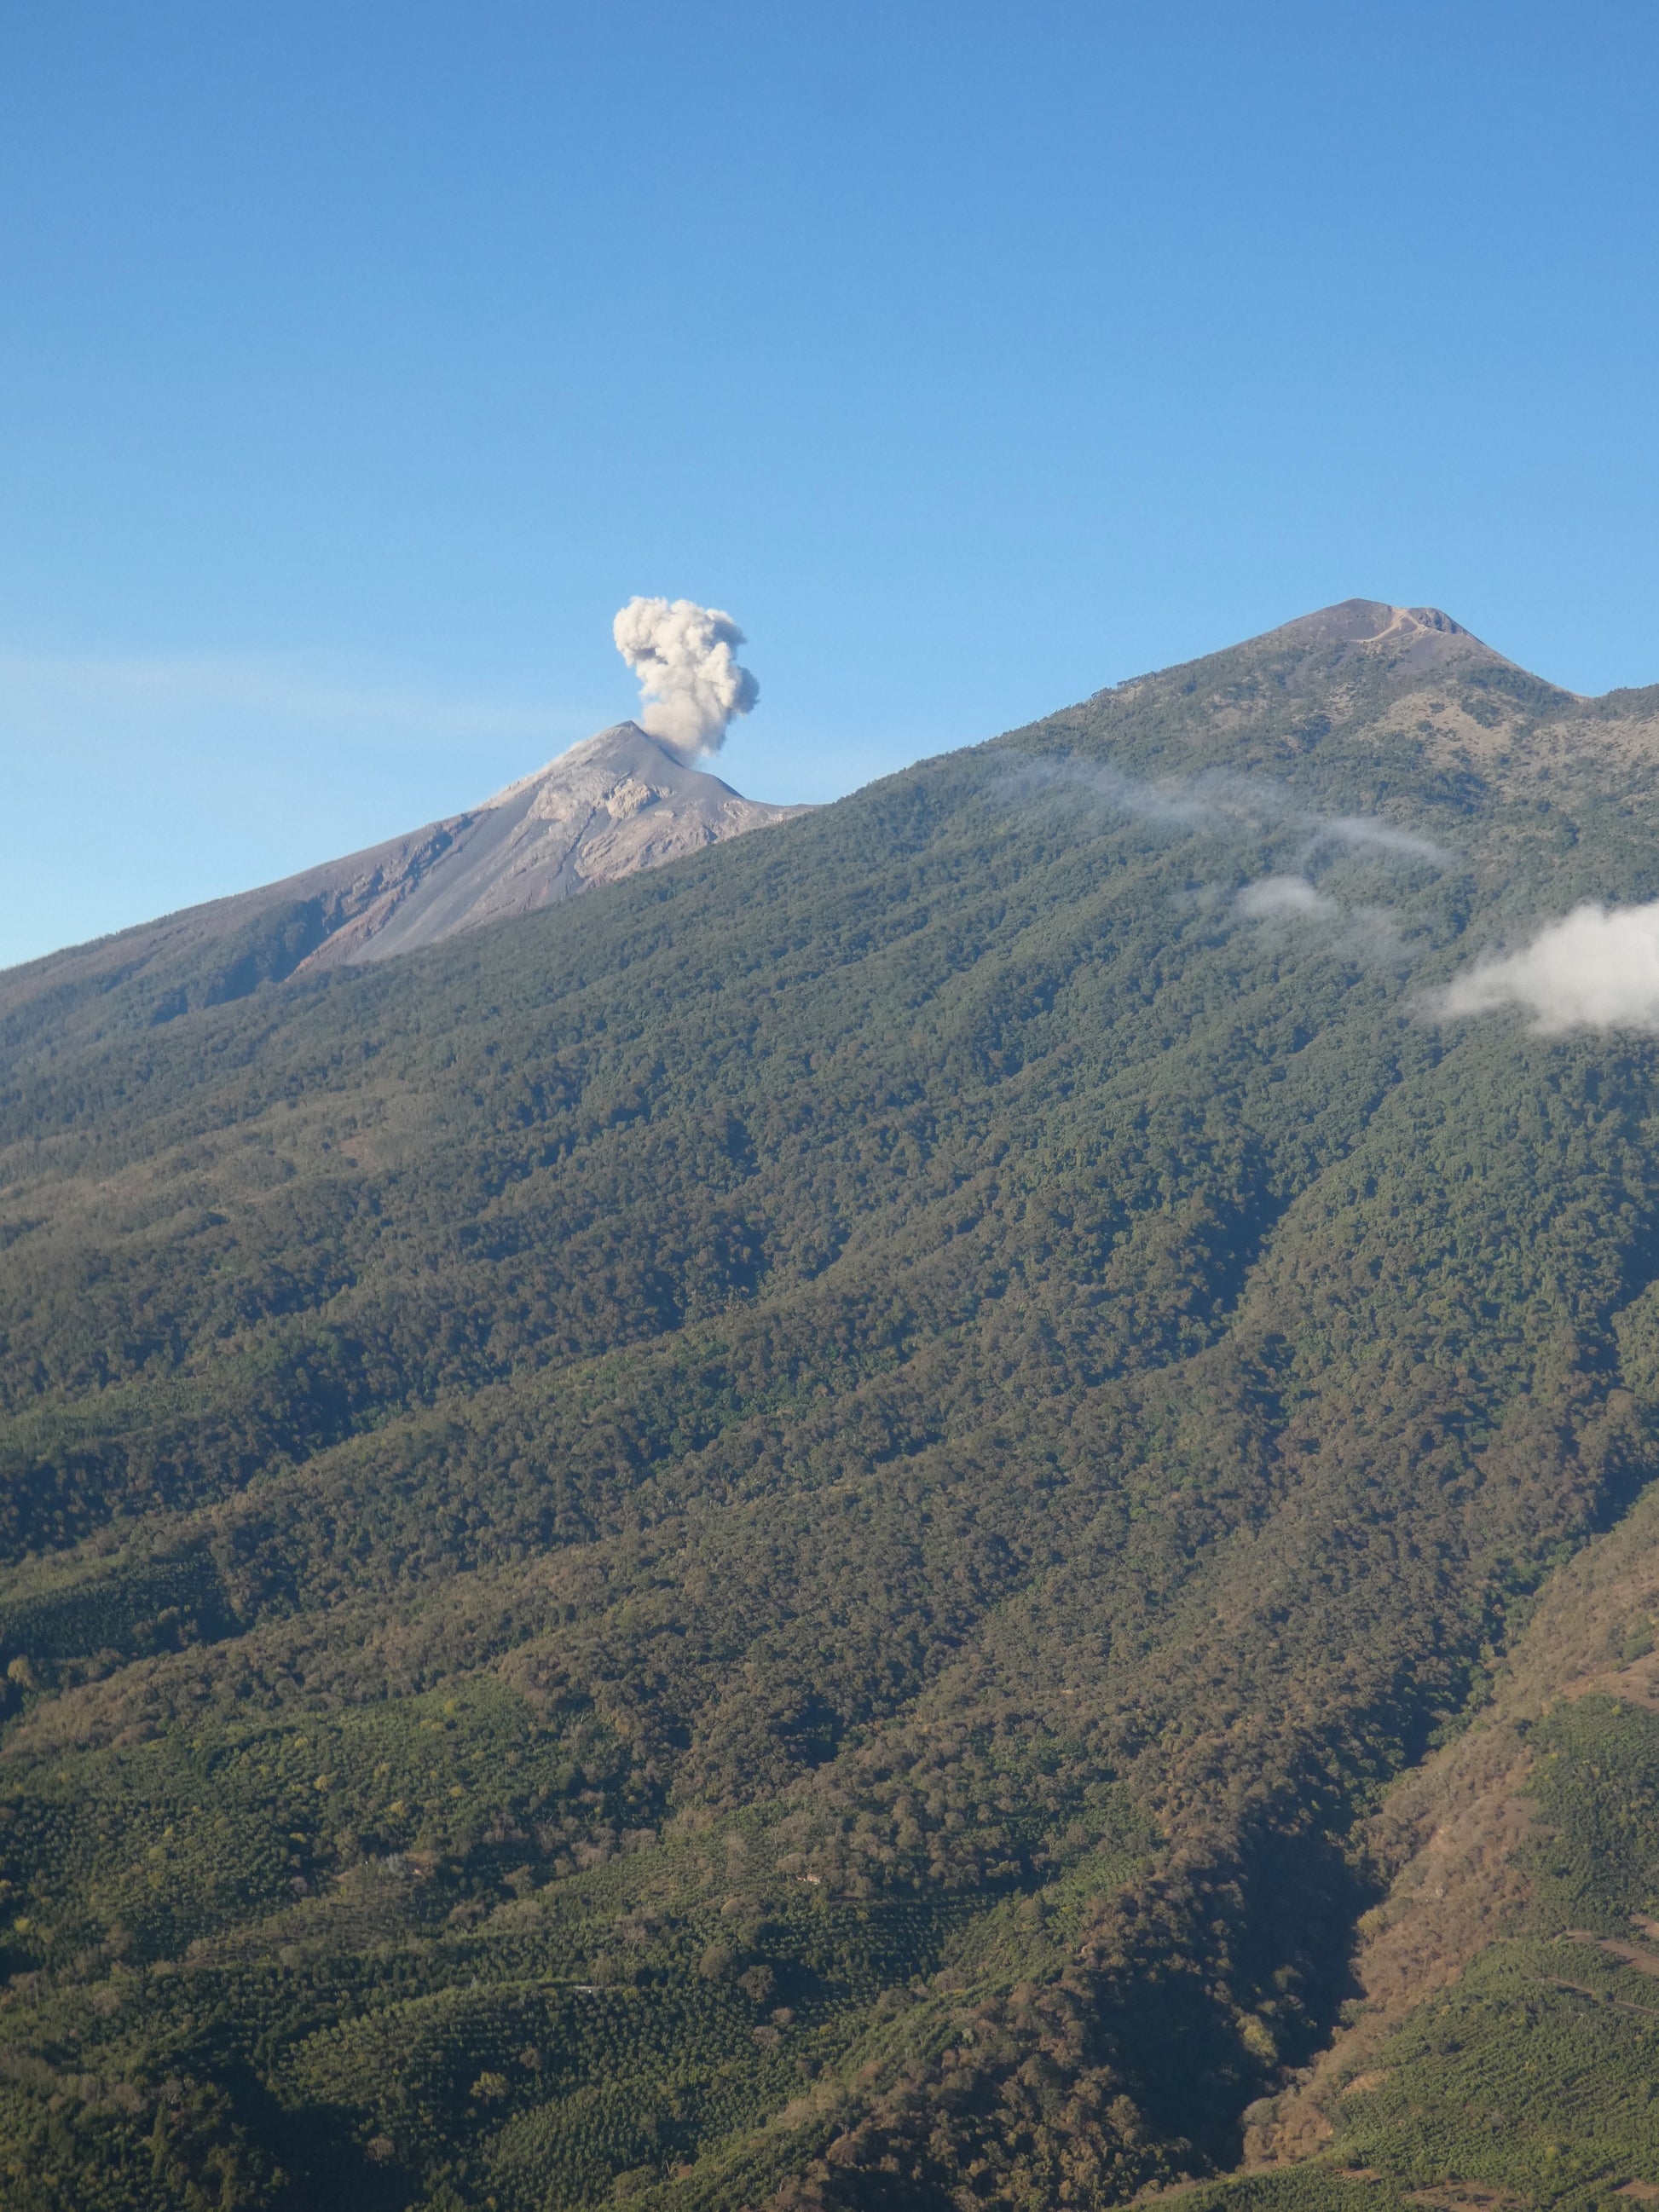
(357, 361)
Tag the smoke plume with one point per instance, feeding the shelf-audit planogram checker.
(1598, 969)
(691, 685)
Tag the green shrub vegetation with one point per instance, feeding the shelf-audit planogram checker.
(756, 1542)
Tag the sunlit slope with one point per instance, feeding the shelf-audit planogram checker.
(1505, 2031)
(765, 1536)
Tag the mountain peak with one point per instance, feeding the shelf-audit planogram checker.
(1407, 637)
(617, 802)
(624, 749)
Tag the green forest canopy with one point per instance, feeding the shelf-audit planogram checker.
(758, 1541)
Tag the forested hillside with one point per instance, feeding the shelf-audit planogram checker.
(766, 1542)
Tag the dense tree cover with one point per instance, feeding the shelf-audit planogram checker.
(757, 1541)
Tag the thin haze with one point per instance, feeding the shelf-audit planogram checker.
(1227, 805)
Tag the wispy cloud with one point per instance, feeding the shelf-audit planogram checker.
(1364, 932)
(1179, 806)
(1365, 832)
(1597, 968)
(1225, 803)
(1239, 810)
(304, 690)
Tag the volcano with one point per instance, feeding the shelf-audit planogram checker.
(614, 805)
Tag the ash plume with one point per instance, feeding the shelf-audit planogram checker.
(1598, 969)
(690, 684)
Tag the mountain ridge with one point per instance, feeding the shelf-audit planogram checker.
(369, 904)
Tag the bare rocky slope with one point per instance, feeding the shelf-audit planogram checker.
(616, 804)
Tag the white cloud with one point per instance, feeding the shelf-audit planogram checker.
(1286, 895)
(1596, 970)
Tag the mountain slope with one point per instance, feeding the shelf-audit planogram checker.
(1508, 2030)
(766, 1542)
(613, 804)
(616, 804)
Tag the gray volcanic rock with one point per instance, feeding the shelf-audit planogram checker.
(616, 804)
